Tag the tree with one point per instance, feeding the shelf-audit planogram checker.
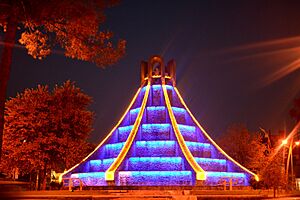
(71, 121)
(271, 170)
(46, 130)
(241, 145)
(250, 150)
(71, 25)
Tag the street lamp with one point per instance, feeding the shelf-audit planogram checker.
(290, 155)
(284, 142)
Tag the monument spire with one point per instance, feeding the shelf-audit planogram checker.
(155, 70)
(158, 142)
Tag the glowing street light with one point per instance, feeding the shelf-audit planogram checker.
(284, 142)
(290, 146)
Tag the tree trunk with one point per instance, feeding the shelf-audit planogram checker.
(30, 181)
(37, 180)
(5, 66)
(44, 177)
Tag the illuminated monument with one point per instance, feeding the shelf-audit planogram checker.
(158, 142)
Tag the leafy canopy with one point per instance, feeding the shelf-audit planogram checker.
(46, 130)
(249, 150)
(72, 25)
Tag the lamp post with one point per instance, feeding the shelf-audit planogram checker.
(290, 156)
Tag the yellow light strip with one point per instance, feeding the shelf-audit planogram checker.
(200, 173)
(106, 138)
(157, 76)
(110, 172)
(211, 140)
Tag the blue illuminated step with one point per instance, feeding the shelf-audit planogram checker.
(133, 113)
(210, 164)
(156, 114)
(217, 178)
(123, 132)
(199, 149)
(100, 165)
(90, 179)
(155, 178)
(173, 96)
(130, 116)
(155, 148)
(139, 99)
(156, 132)
(154, 164)
(156, 96)
(180, 115)
(112, 150)
(188, 132)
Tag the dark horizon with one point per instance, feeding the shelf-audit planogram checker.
(227, 56)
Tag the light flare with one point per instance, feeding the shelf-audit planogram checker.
(279, 147)
(280, 55)
(284, 142)
(282, 72)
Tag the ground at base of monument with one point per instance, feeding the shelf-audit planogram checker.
(145, 194)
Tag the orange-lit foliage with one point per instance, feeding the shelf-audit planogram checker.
(68, 26)
(36, 44)
(272, 170)
(46, 130)
(239, 143)
(249, 149)
(245, 147)
(72, 25)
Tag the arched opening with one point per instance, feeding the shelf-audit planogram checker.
(156, 69)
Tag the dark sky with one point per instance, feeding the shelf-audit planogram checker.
(226, 53)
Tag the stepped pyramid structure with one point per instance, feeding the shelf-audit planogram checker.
(158, 142)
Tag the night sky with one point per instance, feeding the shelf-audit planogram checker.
(228, 53)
